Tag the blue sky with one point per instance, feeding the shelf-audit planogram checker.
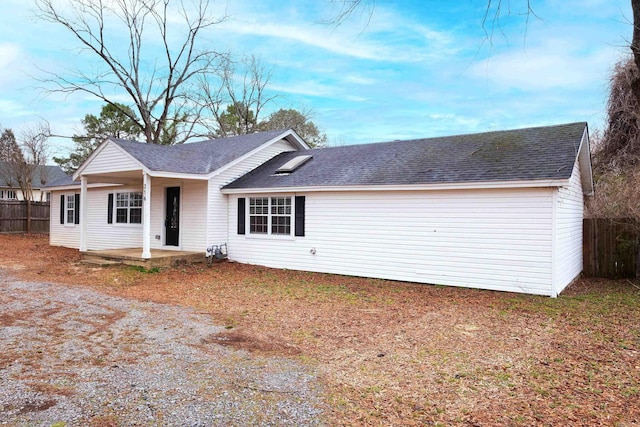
(411, 69)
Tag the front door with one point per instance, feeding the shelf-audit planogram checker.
(172, 221)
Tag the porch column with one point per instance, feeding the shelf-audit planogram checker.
(83, 213)
(146, 215)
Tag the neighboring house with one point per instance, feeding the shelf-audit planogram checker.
(43, 175)
(497, 210)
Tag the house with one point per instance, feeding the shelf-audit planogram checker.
(497, 210)
(43, 174)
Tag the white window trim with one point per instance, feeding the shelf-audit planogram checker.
(269, 234)
(6, 194)
(128, 208)
(67, 197)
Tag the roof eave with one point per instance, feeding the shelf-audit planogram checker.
(76, 186)
(547, 183)
(584, 161)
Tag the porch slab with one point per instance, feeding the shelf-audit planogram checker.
(133, 256)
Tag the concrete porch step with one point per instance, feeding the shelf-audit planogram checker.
(100, 262)
(131, 256)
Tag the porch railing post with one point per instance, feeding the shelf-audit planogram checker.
(83, 213)
(146, 215)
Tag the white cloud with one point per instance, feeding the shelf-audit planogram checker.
(387, 37)
(10, 108)
(358, 79)
(454, 120)
(11, 64)
(554, 65)
(9, 54)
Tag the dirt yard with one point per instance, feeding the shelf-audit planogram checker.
(393, 353)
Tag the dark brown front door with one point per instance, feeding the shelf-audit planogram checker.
(172, 221)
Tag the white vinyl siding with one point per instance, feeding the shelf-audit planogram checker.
(491, 239)
(217, 222)
(60, 234)
(102, 235)
(16, 194)
(569, 215)
(193, 218)
(193, 204)
(111, 158)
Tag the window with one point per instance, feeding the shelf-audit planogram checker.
(8, 195)
(258, 215)
(70, 208)
(270, 215)
(281, 215)
(129, 208)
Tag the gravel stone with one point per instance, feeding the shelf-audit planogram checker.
(72, 356)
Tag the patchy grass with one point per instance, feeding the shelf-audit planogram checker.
(395, 353)
(144, 270)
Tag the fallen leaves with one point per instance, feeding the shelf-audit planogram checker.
(395, 353)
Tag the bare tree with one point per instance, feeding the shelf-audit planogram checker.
(21, 159)
(495, 10)
(616, 154)
(160, 86)
(346, 8)
(236, 99)
(635, 47)
(618, 150)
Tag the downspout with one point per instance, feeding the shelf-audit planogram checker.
(554, 243)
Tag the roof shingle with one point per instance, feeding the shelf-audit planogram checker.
(196, 157)
(42, 176)
(539, 153)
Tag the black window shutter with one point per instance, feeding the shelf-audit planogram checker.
(110, 209)
(76, 219)
(241, 215)
(62, 203)
(299, 231)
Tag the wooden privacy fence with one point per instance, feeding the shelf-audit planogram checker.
(13, 217)
(610, 247)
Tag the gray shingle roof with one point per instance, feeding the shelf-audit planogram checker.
(539, 153)
(197, 157)
(43, 175)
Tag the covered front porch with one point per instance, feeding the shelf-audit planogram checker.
(136, 215)
(133, 256)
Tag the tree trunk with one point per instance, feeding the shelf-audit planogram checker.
(635, 47)
(28, 215)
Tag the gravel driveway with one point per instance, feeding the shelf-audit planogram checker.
(70, 356)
